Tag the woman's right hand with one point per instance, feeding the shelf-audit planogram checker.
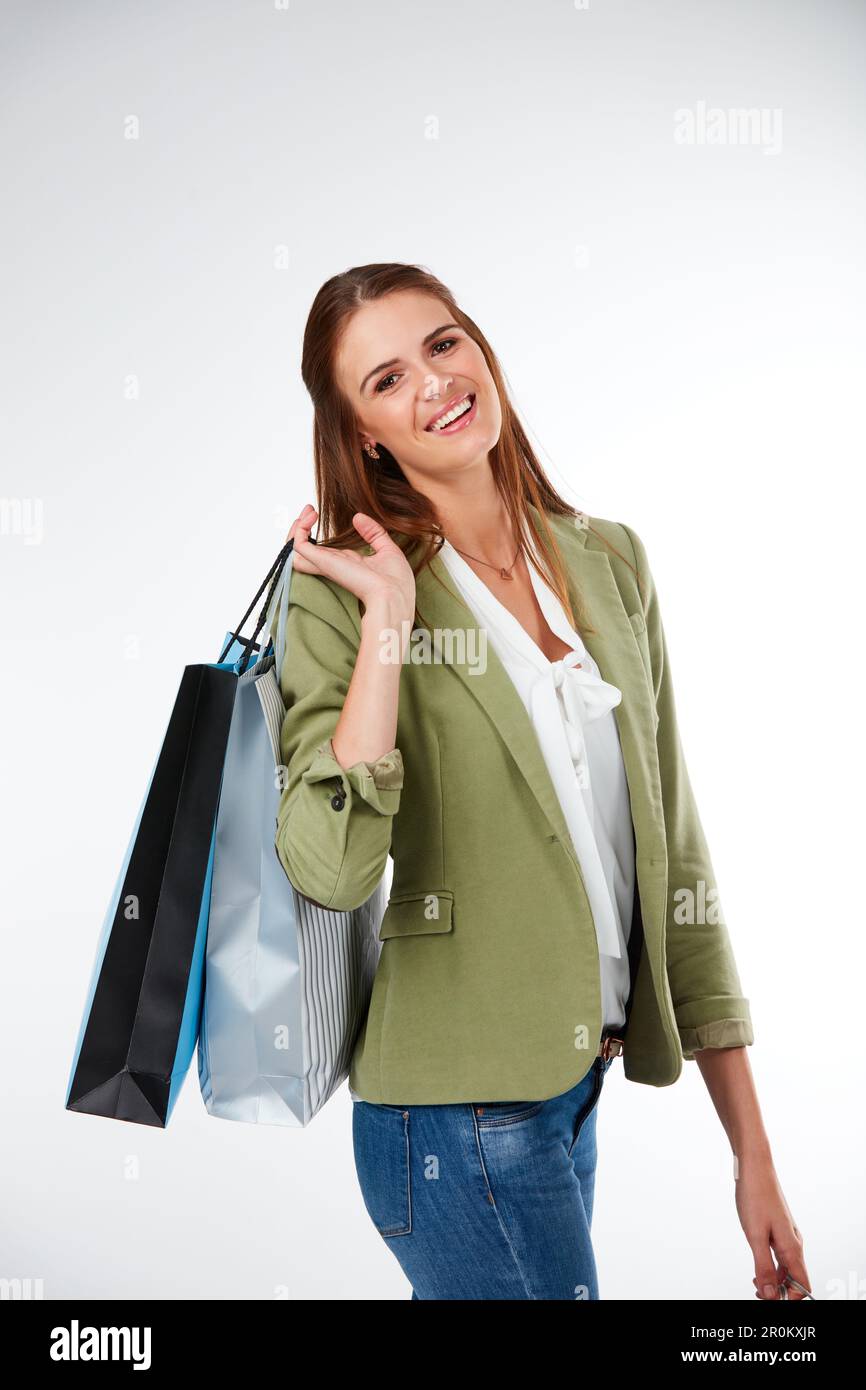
(385, 576)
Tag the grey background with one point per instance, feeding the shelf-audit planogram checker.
(681, 326)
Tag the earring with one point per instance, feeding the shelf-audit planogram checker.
(371, 449)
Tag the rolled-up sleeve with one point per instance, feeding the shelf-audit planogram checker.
(709, 1005)
(334, 824)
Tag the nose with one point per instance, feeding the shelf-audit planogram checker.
(437, 393)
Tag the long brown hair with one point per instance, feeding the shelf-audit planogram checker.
(349, 481)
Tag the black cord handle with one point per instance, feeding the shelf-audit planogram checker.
(273, 576)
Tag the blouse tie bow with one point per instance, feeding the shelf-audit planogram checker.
(584, 697)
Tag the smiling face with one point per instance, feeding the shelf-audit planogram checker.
(419, 385)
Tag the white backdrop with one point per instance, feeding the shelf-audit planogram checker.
(679, 312)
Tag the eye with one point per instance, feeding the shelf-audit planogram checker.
(381, 383)
(444, 342)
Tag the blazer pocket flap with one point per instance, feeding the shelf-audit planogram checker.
(417, 914)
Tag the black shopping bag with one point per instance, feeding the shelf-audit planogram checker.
(140, 1023)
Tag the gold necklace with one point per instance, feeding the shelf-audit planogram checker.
(503, 573)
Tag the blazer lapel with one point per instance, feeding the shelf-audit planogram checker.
(444, 609)
(613, 647)
(615, 650)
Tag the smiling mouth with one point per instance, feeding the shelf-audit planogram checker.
(459, 414)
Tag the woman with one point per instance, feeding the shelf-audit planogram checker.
(477, 683)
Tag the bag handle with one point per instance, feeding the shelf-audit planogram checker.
(279, 570)
(276, 625)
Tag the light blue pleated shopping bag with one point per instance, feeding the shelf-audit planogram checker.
(287, 982)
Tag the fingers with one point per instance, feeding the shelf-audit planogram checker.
(306, 521)
(764, 1283)
(788, 1250)
(767, 1286)
(767, 1278)
(791, 1264)
(372, 531)
(772, 1285)
(367, 527)
(303, 550)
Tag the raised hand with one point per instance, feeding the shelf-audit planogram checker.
(385, 575)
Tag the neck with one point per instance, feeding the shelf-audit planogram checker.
(481, 529)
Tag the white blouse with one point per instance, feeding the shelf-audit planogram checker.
(571, 708)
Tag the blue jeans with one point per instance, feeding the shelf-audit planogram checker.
(485, 1200)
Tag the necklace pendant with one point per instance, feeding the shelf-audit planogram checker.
(503, 574)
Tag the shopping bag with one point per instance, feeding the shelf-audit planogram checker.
(287, 982)
(140, 1022)
(141, 1018)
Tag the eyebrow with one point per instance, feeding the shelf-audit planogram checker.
(394, 360)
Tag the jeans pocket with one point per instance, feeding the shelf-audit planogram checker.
(381, 1141)
(505, 1112)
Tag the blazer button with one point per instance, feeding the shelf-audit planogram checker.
(338, 801)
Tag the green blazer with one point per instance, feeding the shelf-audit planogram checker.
(487, 985)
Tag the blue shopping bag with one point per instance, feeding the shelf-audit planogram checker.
(288, 981)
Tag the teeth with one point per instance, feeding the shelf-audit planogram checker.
(460, 409)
